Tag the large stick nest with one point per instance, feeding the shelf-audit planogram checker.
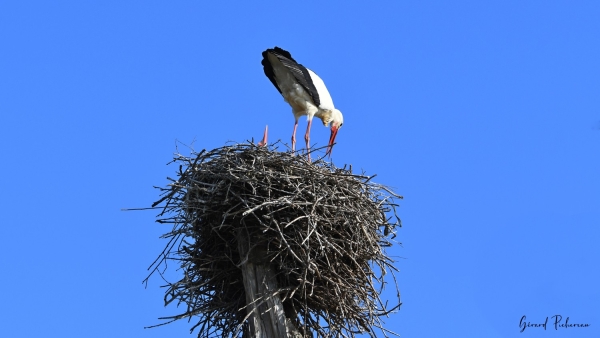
(324, 229)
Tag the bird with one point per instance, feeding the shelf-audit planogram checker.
(304, 91)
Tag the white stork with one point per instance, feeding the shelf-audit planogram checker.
(304, 91)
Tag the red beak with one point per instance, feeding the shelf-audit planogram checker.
(334, 131)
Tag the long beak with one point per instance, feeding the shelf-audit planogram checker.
(264, 140)
(334, 131)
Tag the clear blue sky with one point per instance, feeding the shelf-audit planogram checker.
(485, 115)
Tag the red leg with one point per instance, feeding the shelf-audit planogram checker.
(294, 136)
(307, 137)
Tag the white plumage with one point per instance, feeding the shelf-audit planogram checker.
(304, 91)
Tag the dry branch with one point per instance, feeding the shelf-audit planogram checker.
(321, 230)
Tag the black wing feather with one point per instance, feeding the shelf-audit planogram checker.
(299, 71)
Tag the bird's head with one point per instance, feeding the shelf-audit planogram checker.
(337, 120)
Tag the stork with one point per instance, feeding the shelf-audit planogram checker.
(304, 91)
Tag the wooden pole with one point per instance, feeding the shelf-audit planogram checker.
(267, 319)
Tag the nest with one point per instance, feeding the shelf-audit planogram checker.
(322, 230)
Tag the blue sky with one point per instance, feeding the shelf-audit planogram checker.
(484, 115)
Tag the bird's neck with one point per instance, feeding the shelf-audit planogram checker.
(325, 115)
